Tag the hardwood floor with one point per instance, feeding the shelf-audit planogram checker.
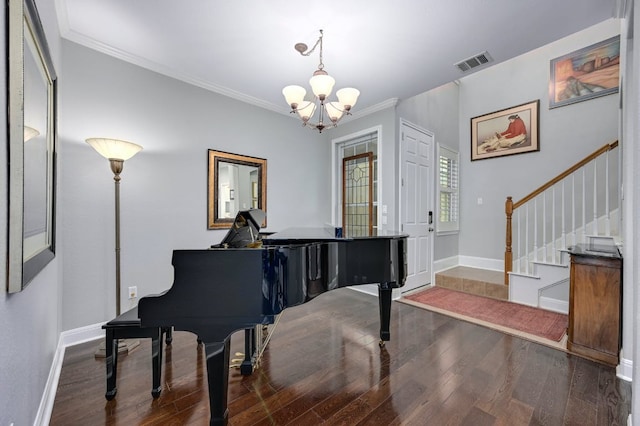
(323, 366)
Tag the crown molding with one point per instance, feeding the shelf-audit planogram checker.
(93, 44)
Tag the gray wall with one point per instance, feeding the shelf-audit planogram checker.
(567, 134)
(30, 319)
(164, 187)
(437, 111)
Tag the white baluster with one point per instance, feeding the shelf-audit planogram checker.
(584, 205)
(562, 224)
(526, 240)
(535, 229)
(544, 226)
(518, 244)
(595, 198)
(553, 224)
(607, 210)
(573, 207)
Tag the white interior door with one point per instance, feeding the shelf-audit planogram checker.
(416, 202)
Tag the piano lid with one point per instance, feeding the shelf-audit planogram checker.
(245, 229)
(313, 234)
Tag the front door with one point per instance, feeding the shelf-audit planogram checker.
(416, 202)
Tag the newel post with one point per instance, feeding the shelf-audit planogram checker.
(508, 255)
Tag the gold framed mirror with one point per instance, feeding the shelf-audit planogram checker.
(32, 146)
(235, 182)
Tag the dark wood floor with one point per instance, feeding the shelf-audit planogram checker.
(324, 366)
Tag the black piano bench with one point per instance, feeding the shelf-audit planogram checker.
(127, 326)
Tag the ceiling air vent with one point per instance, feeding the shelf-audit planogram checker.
(474, 61)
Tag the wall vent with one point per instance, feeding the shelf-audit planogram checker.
(474, 61)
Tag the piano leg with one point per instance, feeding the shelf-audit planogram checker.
(111, 353)
(246, 368)
(156, 356)
(384, 301)
(218, 377)
(168, 333)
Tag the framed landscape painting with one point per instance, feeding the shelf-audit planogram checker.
(506, 132)
(585, 74)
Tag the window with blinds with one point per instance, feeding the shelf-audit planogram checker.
(448, 190)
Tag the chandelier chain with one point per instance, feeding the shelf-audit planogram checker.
(310, 51)
(322, 85)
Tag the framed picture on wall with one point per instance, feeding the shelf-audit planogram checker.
(506, 132)
(587, 73)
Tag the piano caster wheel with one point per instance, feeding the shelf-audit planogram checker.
(381, 343)
(246, 369)
(111, 394)
(156, 392)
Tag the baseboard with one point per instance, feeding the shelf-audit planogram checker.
(624, 370)
(66, 339)
(555, 305)
(481, 262)
(49, 394)
(469, 261)
(444, 264)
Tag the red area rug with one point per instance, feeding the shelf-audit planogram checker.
(526, 319)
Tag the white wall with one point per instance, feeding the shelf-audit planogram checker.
(631, 205)
(567, 134)
(163, 188)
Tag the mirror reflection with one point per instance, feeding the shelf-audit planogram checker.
(32, 144)
(237, 188)
(36, 151)
(236, 182)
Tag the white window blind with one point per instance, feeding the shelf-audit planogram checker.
(448, 218)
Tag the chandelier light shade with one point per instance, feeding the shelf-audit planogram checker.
(321, 85)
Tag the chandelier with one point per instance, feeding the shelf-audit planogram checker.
(321, 85)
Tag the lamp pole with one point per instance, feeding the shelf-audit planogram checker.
(116, 151)
(116, 168)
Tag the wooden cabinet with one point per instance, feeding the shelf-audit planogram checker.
(595, 304)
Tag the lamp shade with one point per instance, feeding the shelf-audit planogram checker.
(114, 149)
(321, 84)
(294, 95)
(334, 110)
(306, 109)
(348, 96)
(30, 133)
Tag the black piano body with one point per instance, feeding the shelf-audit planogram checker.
(219, 291)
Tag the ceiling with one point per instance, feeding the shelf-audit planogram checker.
(388, 50)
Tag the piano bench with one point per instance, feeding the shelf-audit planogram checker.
(127, 326)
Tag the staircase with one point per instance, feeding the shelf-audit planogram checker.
(579, 206)
(481, 282)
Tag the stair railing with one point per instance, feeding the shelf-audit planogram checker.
(543, 226)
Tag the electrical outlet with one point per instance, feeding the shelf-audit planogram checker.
(133, 292)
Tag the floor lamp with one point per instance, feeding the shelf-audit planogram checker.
(117, 152)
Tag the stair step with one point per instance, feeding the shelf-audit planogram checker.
(481, 282)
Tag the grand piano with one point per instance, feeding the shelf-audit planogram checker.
(249, 279)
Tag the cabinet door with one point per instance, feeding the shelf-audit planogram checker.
(596, 306)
